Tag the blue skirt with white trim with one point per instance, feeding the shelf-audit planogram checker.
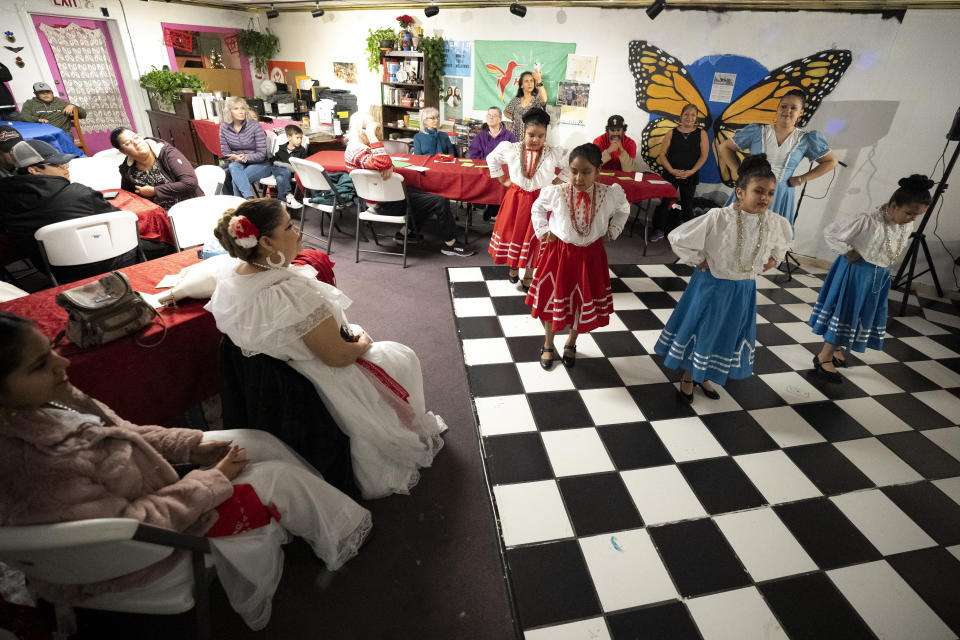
(713, 330)
(851, 311)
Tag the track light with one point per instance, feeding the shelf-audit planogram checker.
(316, 13)
(518, 9)
(272, 13)
(431, 11)
(654, 10)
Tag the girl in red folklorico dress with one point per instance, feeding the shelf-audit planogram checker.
(572, 284)
(532, 165)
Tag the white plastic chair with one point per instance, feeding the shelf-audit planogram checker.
(89, 239)
(99, 173)
(273, 143)
(194, 220)
(314, 177)
(113, 155)
(211, 179)
(371, 186)
(88, 551)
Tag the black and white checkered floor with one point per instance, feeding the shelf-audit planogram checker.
(789, 508)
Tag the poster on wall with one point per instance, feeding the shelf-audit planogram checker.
(581, 68)
(452, 98)
(573, 98)
(498, 65)
(277, 70)
(722, 88)
(457, 58)
(345, 72)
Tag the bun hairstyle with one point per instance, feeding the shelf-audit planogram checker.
(796, 93)
(754, 166)
(115, 136)
(914, 189)
(536, 116)
(266, 214)
(589, 152)
(13, 331)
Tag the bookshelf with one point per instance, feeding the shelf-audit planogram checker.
(402, 98)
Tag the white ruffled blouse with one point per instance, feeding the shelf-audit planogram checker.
(878, 241)
(713, 237)
(511, 154)
(610, 214)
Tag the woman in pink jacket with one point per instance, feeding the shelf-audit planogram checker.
(64, 456)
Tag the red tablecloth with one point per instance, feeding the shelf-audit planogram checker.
(147, 385)
(152, 220)
(449, 177)
(209, 131)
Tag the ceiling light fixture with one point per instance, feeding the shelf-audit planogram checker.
(518, 9)
(654, 10)
(431, 11)
(272, 13)
(316, 13)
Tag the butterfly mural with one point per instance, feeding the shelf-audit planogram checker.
(664, 86)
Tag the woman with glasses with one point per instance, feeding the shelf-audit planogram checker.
(154, 169)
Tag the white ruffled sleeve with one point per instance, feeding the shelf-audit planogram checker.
(689, 239)
(621, 211)
(780, 238)
(284, 312)
(497, 158)
(560, 157)
(548, 200)
(839, 234)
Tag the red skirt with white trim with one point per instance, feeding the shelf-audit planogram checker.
(571, 287)
(513, 241)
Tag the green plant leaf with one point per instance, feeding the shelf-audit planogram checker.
(373, 45)
(435, 57)
(261, 47)
(167, 84)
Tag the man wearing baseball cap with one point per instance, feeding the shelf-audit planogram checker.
(8, 137)
(48, 109)
(619, 150)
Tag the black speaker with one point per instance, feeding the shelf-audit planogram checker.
(954, 133)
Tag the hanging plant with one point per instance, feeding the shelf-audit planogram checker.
(374, 38)
(260, 47)
(167, 85)
(435, 58)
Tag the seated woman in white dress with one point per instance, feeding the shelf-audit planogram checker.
(374, 390)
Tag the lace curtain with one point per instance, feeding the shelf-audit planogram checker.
(88, 75)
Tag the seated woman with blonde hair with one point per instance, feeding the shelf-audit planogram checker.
(374, 390)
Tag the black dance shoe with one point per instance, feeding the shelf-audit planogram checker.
(569, 361)
(710, 393)
(829, 376)
(546, 365)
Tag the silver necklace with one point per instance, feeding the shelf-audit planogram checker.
(887, 246)
(264, 267)
(59, 405)
(756, 251)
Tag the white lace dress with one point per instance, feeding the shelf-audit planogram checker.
(270, 313)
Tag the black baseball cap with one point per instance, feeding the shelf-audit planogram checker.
(615, 122)
(8, 137)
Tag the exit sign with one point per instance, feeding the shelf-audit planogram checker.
(73, 4)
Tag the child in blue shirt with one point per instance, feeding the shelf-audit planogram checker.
(281, 168)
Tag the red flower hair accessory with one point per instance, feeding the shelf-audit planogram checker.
(243, 231)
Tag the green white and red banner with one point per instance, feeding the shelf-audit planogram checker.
(497, 65)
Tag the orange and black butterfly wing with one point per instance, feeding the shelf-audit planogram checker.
(651, 141)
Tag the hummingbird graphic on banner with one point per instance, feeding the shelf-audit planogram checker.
(503, 77)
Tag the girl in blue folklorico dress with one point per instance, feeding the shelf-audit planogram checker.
(851, 312)
(711, 334)
(785, 146)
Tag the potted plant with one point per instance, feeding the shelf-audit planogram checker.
(167, 88)
(406, 38)
(260, 47)
(377, 41)
(435, 59)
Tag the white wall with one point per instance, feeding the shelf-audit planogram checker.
(899, 94)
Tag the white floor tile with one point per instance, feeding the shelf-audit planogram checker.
(761, 320)
(874, 417)
(611, 406)
(930, 348)
(884, 524)
(586, 346)
(764, 544)
(814, 270)
(795, 355)
(872, 356)
(504, 414)
(922, 325)
(576, 451)
(486, 351)
(657, 271)
(947, 404)
(624, 301)
(807, 295)
(535, 379)
(777, 477)
(808, 281)
(950, 486)
(870, 381)
(676, 295)
(793, 387)
(766, 282)
(626, 570)
(641, 285)
(465, 274)
(520, 325)
(735, 615)
(473, 307)
(947, 439)
(942, 318)
(647, 338)
(800, 331)
(687, 439)
(616, 324)
(877, 462)
(936, 372)
(503, 289)
(786, 427)
(887, 604)
(955, 550)
(662, 495)
(531, 512)
(800, 311)
(762, 299)
(663, 315)
(703, 405)
(592, 629)
(635, 370)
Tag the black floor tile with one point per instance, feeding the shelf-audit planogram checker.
(935, 575)
(510, 306)
(683, 270)
(660, 401)
(470, 290)
(930, 508)
(753, 393)
(721, 485)
(775, 313)
(811, 607)
(559, 410)
(593, 373)
(599, 503)
(738, 432)
(516, 457)
(628, 271)
(657, 300)
(897, 329)
(640, 319)
(616, 344)
(828, 469)
(634, 445)
(951, 363)
(525, 348)
(619, 286)
(922, 454)
(769, 335)
(551, 584)
(949, 340)
(914, 412)
(826, 534)
(831, 421)
(905, 377)
(842, 391)
(698, 557)
(495, 272)
(901, 351)
(479, 327)
(781, 296)
(671, 284)
(494, 379)
(764, 361)
(665, 622)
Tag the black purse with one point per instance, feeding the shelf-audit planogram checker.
(105, 310)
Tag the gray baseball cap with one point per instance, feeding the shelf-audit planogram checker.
(41, 86)
(30, 152)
